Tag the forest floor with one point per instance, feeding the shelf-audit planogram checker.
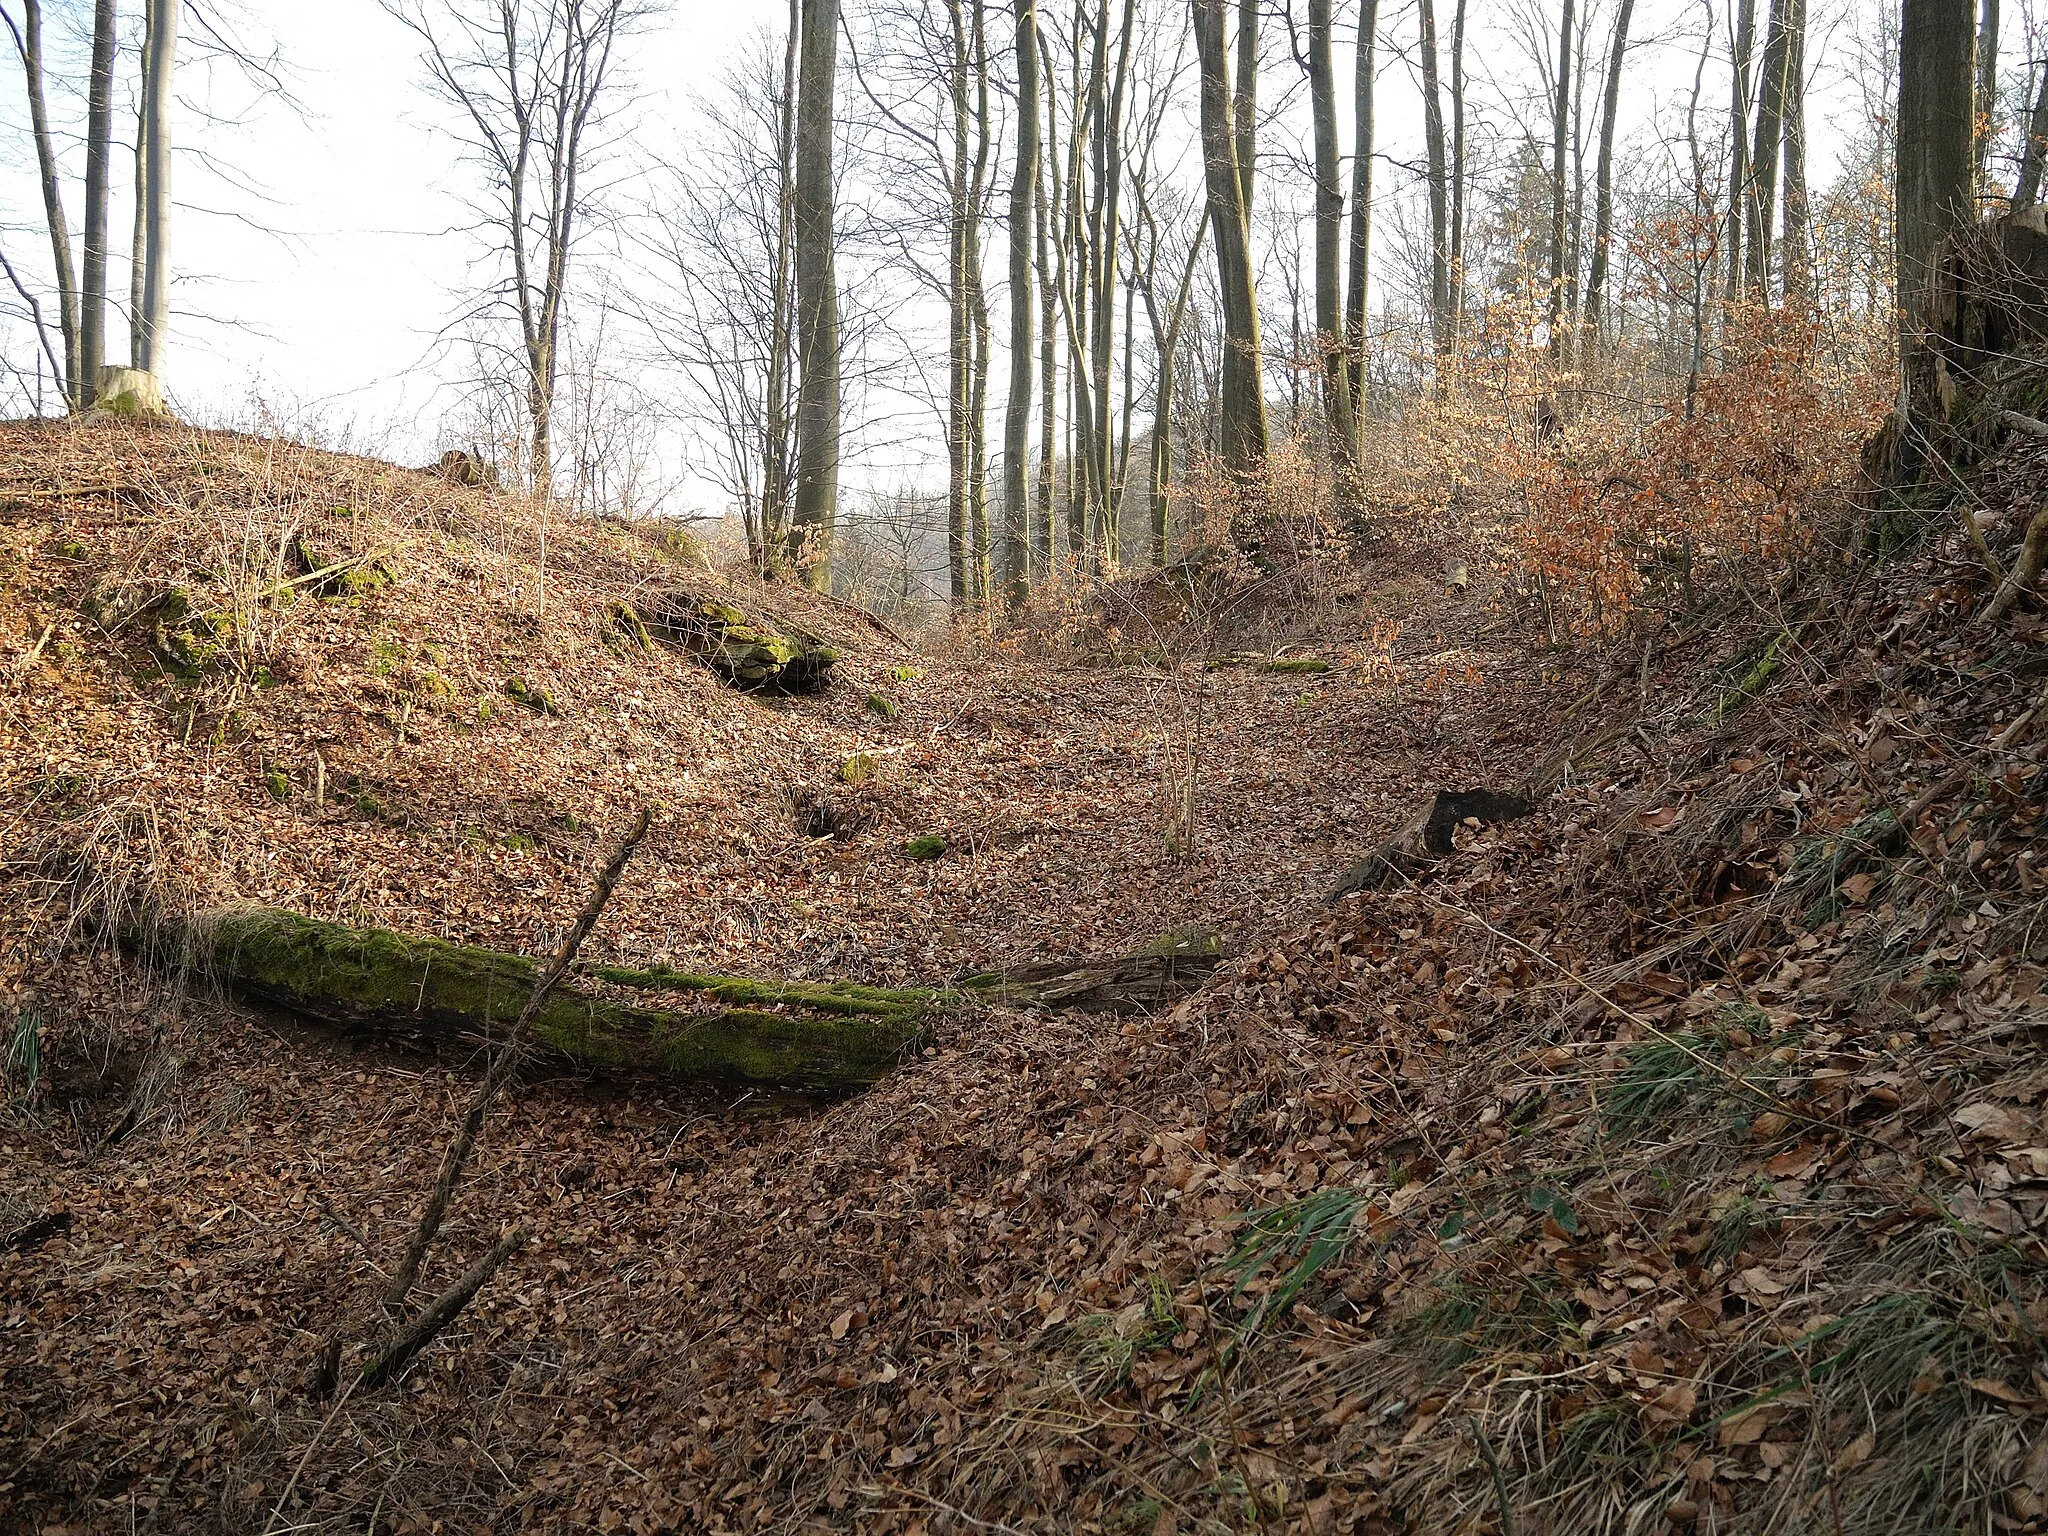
(1671, 1157)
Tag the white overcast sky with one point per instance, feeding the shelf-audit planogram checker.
(319, 254)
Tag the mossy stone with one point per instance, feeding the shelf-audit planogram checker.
(539, 700)
(926, 848)
(882, 705)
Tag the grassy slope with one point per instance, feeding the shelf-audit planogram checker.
(1673, 1162)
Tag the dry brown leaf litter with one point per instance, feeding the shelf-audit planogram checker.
(1763, 1280)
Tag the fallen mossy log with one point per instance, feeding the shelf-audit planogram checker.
(817, 1038)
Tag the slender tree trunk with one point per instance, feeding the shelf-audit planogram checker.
(1738, 168)
(1167, 344)
(1363, 72)
(1243, 412)
(1105, 243)
(160, 59)
(2027, 192)
(1244, 105)
(138, 236)
(99, 156)
(55, 224)
(1798, 255)
(1763, 159)
(817, 298)
(1439, 189)
(1987, 86)
(960, 345)
(1603, 193)
(1560, 137)
(1457, 177)
(1014, 564)
(1330, 330)
(1048, 350)
(775, 455)
(977, 314)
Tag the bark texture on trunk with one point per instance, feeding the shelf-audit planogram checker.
(1560, 140)
(816, 501)
(1437, 152)
(1798, 258)
(54, 222)
(2027, 191)
(160, 60)
(1765, 153)
(1014, 565)
(1603, 190)
(1243, 408)
(1935, 199)
(1364, 67)
(99, 157)
(1330, 326)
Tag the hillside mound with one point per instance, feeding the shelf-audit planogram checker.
(1669, 1158)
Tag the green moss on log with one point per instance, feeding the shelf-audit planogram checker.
(810, 1037)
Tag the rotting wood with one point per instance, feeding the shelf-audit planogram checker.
(1167, 969)
(1427, 836)
(813, 1037)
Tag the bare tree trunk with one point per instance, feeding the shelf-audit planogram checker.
(977, 314)
(1439, 189)
(1048, 350)
(1458, 176)
(959, 336)
(1936, 164)
(775, 466)
(1798, 257)
(817, 299)
(1603, 194)
(1330, 332)
(99, 155)
(1738, 168)
(1763, 159)
(1987, 85)
(55, 225)
(1244, 106)
(159, 61)
(1014, 564)
(1106, 243)
(1243, 413)
(2027, 192)
(138, 234)
(1560, 130)
(1361, 214)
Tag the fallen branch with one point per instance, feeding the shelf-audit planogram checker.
(500, 1073)
(2026, 569)
(440, 1312)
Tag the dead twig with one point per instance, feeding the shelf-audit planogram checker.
(501, 1070)
(440, 1312)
